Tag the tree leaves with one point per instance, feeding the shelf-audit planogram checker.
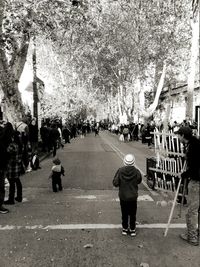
(101, 45)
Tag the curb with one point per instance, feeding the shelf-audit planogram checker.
(45, 156)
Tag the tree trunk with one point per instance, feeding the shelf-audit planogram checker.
(10, 72)
(14, 109)
(192, 67)
(147, 113)
(119, 103)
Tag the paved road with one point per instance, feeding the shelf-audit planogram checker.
(52, 229)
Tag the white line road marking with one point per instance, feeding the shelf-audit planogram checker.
(86, 197)
(88, 226)
(23, 200)
(145, 198)
(104, 198)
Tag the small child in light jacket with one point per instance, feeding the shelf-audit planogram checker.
(56, 172)
(127, 179)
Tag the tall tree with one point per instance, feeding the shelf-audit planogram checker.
(194, 55)
(19, 21)
(14, 41)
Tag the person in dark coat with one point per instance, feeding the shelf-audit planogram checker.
(125, 133)
(135, 132)
(66, 134)
(148, 136)
(33, 134)
(192, 177)
(6, 132)
(44, 133)
(127, 179)
(56, 172)
(54, 137)
(73, 131)
(14, 169)
(84, 129)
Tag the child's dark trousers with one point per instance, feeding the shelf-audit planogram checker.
(128, 210)
(56, 184)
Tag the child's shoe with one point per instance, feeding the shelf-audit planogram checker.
(9, 202)
(124, 231)
(132, 232)
(3, 210)
(18, 199)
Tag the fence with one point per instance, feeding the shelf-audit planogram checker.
(170, 161)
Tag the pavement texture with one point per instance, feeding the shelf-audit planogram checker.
(80, 226)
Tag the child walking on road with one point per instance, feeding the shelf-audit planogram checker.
(127, 179)
(56, 172)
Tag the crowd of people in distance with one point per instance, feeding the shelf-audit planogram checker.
(138, 131)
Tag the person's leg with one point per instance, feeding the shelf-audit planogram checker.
(191, 220)
(149, 141)
(60, 184)
(49, 146)
(132, 213)
(124, 212)
(54, 185)
(2, 187)
(54, 149)
(19, 190)
(192, 214)
(11, 195)
(43, 145)
(2, 192)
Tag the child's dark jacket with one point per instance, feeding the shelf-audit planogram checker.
(57, 171)
(127, 179)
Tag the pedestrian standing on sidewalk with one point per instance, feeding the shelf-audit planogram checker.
(192, 177)
(56, 172)
(66, 134)
(54, 137)
(126, 133)
(127, 179)
(44, 133)
(33, 134)
(6, 132)
(14, 169)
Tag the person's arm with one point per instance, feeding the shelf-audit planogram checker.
(139, 177)
(192, 159)
(116, 179)
(186, 174)
(50, 176)
(62, 171)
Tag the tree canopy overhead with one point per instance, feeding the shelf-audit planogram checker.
(115, 50)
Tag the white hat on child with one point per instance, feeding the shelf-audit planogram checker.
(129, 160)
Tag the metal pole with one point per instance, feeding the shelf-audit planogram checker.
(198, 229)
(172, 209)
(198, 121)
(174, 203)
(35, 92)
